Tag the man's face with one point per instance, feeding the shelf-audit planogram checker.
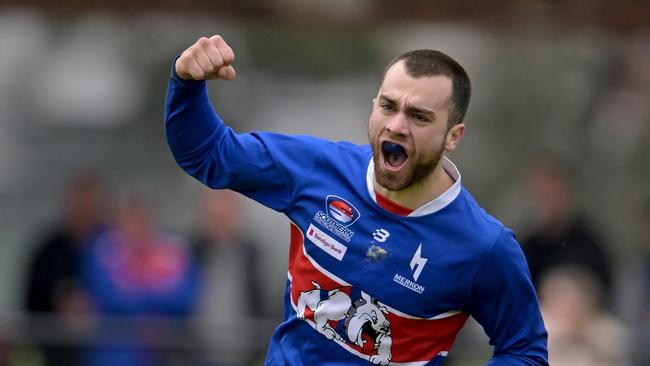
(408, 127)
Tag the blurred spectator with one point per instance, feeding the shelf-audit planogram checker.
(53, 278)
(231, 295)
(142, 280)
(561, 236)
(643, 326)
(580, 331)
(5, 350)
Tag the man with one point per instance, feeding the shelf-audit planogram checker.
(562, 235)
(54, 285)
(231, 283)
(389, 255)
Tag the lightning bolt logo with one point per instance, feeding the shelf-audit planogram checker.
(417, 263)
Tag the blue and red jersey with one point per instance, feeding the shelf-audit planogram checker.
(365, 285)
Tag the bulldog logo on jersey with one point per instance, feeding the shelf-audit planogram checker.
(341, 210)
(338, 216)
(360, 324)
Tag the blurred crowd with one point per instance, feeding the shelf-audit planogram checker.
(117, 289)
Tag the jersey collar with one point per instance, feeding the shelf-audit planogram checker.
(432, 206)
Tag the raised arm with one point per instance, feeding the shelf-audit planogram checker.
(264, 166)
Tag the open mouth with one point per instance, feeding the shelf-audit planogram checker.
(394, 154)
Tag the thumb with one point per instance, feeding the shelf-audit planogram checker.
(227, 73)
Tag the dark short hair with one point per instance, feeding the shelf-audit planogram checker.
(431, 63)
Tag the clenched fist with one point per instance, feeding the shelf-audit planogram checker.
(208, 58)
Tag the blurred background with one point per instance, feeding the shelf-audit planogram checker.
(110, 255)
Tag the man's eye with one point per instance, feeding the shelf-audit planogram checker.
(387, 107)
(419, 117)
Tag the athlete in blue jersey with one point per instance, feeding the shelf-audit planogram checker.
(389, 254)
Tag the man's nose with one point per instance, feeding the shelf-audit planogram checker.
(398, 124)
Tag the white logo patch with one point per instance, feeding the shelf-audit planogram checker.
(381, 235)
(326, 242)
(417, 263)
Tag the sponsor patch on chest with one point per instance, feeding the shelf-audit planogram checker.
(330, 245)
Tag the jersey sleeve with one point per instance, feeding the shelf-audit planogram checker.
(266, 167)
(504, 302)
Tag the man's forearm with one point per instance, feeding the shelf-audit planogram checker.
(191, 124)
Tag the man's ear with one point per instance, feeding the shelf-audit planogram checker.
(454, 134)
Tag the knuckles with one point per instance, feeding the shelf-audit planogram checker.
(194, 52)
(203, 42)
(195, 55)
(228, 58)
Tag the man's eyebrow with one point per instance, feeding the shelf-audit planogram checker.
(410, 109)
(387, 99)
(414, 109)
(423, 111)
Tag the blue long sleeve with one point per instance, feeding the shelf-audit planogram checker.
(505, 304)
(220, 158)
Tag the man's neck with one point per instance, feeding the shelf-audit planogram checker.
(421, 192)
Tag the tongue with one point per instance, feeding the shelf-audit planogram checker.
(395, 159)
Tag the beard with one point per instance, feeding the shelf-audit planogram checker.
(415, 169)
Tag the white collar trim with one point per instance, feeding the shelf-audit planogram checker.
(432, 206)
